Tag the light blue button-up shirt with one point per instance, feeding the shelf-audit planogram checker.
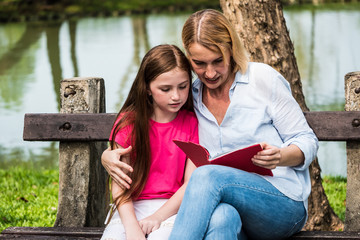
(262, 109)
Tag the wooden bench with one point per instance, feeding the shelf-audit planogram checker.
(66, 233)
(82, 128)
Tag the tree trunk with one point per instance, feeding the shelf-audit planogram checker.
(261, 26)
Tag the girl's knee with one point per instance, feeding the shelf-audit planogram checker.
(114, 232)
(163, 233)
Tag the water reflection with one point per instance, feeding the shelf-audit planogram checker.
(141, 46)
(15, 64)
(34, 58)
(72, 33)
(325, 47)
(47, 157)
(53, 50)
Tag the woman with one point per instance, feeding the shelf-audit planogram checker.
(239, 103)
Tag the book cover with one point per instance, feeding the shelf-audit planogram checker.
(240, 158)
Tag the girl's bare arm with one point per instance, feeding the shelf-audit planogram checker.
(127, 215)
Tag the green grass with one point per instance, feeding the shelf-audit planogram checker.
(335, 189)
(28, 196)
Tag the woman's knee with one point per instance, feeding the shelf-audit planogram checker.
(203, 180)
(204, 175)
(225, 223)
(225, 216)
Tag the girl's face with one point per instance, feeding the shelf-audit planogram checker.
(210, 66)
(169, 92)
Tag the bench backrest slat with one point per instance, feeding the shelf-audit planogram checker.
(68, 127)
(335, 125)
(327, 125)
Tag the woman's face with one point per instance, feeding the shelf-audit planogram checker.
(210, 66)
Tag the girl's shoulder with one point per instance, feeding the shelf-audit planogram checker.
(124, 123)
(127, 118)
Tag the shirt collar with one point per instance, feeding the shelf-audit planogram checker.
(242, 78)
(198, 85)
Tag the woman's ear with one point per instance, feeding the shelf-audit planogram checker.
(148, 92)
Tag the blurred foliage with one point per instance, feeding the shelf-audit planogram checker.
(31, 10)
(27, 10)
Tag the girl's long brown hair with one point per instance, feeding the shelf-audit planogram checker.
(138, 108)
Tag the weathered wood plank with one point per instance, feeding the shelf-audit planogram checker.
(325, 235)
(327, 125)
(335, 125)
(44, 237)
(96, 232)
(52, 237)
(68, 127)
(68, 232)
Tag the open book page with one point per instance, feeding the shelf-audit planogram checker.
(245, 150)
(240, 158)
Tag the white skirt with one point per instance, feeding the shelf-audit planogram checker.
(143, 208)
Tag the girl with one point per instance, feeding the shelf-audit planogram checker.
(158, 109)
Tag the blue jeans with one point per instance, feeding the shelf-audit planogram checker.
(227, 203)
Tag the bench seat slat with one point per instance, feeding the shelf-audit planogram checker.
(325, 235)
(327, 125)
(45, 237)
(96, 232)
(56, 231)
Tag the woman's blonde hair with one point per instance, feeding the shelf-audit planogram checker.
(211, 29)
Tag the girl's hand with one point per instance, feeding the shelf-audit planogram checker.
(116, 163)
(268, 158)
(150, 223)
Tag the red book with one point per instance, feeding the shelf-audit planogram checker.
(240, 158)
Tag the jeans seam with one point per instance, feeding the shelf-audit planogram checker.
(252, 188)
(214, 207)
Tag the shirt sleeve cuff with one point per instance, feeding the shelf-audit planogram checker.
(309, 148)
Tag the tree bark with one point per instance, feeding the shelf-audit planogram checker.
(262, 28)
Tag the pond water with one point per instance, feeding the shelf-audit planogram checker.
(34, 57)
